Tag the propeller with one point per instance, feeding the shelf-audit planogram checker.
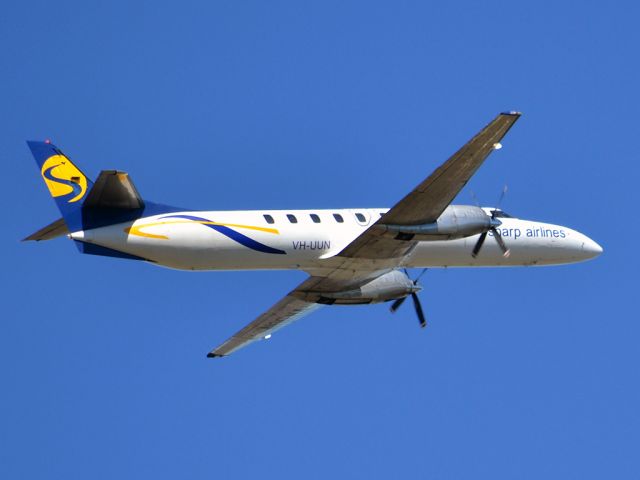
(493, 229)
(416, 301)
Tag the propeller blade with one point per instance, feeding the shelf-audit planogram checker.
(424, 270)
(501, 244)
(474, 197)
(419, 312)
(479, 244)
(495, 210)
(396, 305)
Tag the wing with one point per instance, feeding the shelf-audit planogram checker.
(426, 202)
(281, 314)
(371, 255)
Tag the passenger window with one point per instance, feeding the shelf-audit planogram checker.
(361, 217)
(292, 218)
(315, 218)
(338, 217)
(269, 219)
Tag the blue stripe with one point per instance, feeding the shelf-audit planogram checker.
(233, 235)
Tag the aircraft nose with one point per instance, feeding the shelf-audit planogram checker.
(590, 249)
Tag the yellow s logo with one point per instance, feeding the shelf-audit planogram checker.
(63, 178)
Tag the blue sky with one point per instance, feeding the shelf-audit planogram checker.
(522, 373)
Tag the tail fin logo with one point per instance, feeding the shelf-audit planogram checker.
(63, 178)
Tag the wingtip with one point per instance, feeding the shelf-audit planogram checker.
(213, 355)
(512, 113)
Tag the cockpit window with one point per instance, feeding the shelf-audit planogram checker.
(501, 214)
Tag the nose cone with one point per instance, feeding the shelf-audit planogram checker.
(590, 249)
(580, 248)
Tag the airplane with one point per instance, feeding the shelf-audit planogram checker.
(352, 256)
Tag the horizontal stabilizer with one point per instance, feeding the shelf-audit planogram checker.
(53, 230)
(114, 189)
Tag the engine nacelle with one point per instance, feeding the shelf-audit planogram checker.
(389, 286)
(457, 221)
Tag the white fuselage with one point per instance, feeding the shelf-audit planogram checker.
(246, 240)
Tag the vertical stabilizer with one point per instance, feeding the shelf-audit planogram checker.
(66, 183)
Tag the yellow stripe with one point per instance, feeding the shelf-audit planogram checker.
(136, 229)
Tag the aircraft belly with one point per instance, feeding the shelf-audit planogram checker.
(223, 259)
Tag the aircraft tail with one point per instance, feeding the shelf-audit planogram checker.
(112, 198)
(66, 183)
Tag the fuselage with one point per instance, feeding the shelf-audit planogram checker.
(308, 239)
